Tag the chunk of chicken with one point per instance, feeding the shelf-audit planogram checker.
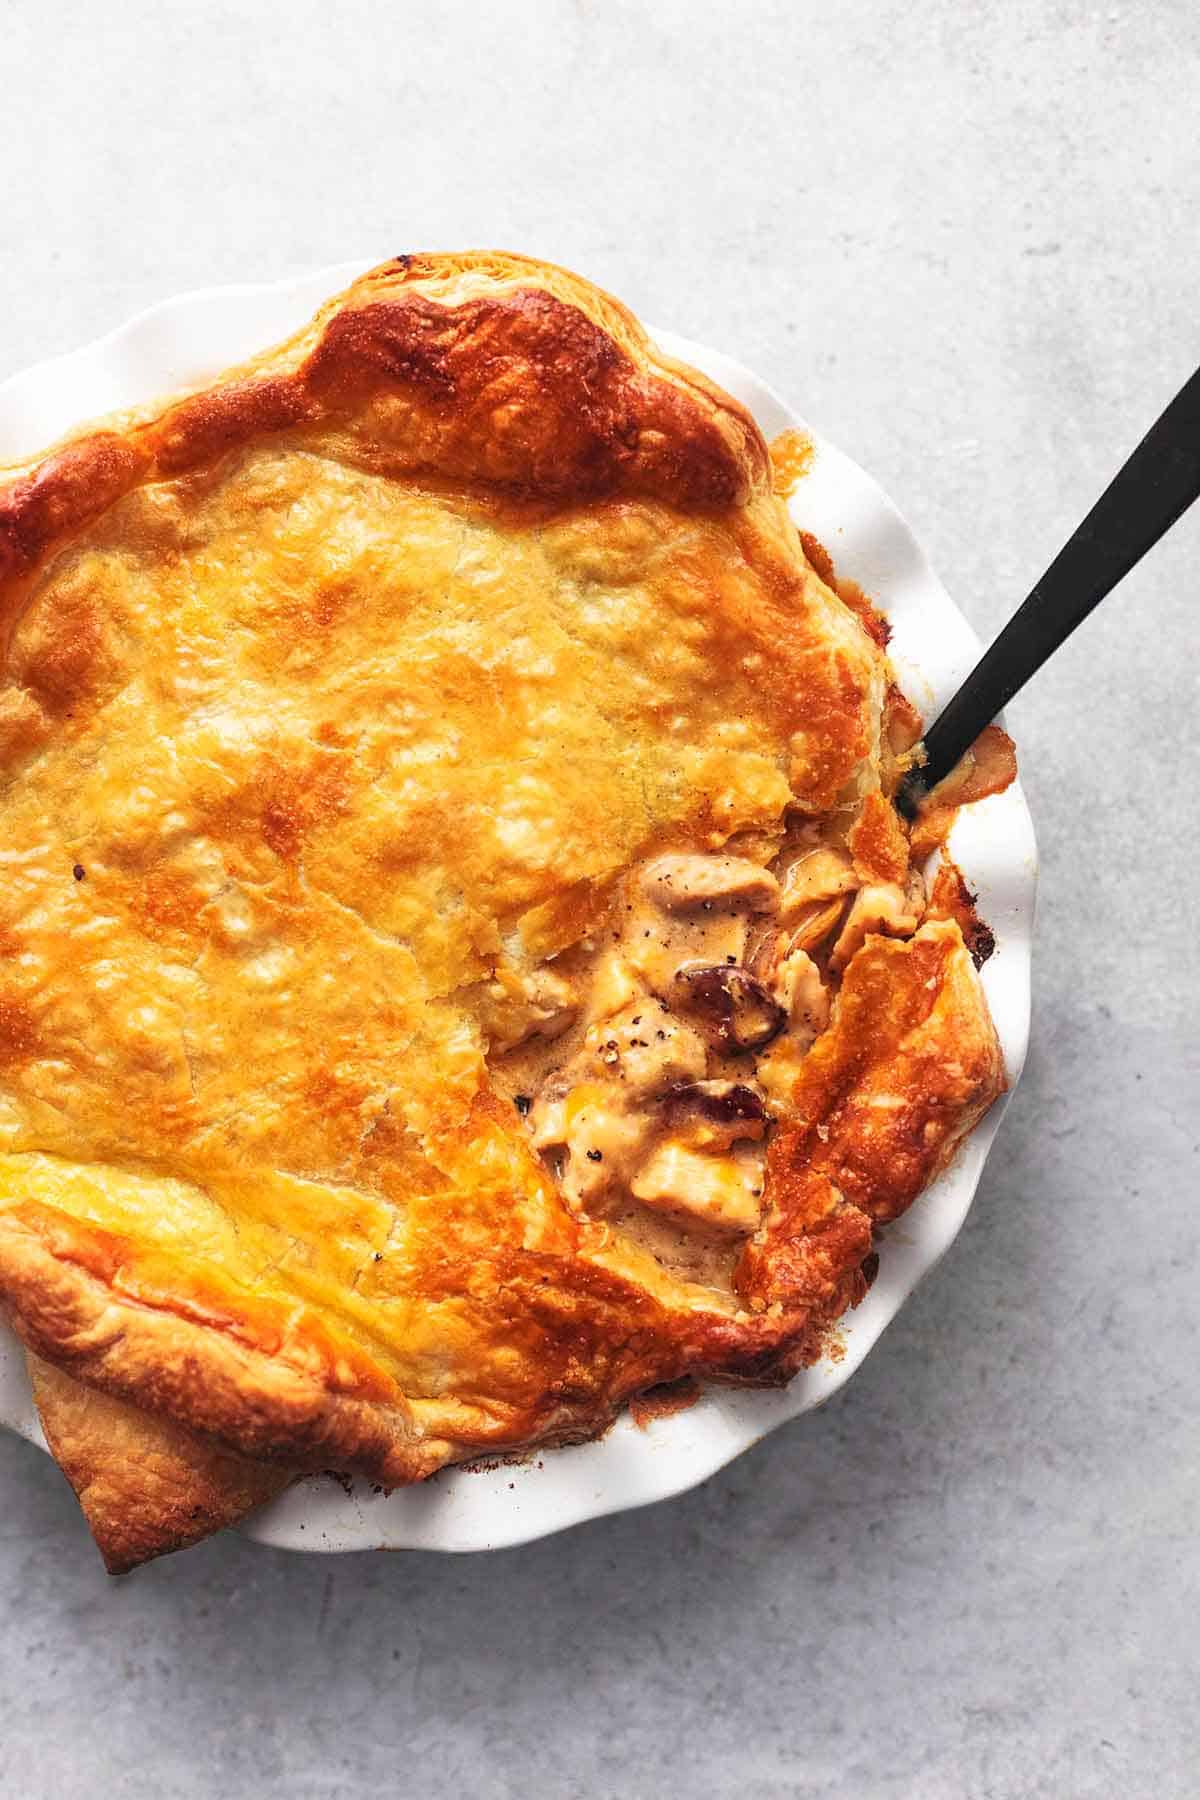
(724, 1192)
(657, 942)
(614, 985)
(604, 1140)
(688, 883)
(515, 1006)
(883, 907)
(779, 1071)
(795, 982)
(645, 1048)
(548, 1120)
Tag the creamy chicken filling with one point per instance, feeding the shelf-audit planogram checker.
(651, 1068)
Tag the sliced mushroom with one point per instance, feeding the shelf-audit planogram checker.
(712, 1115)
(821, 876)
(724, 1192)
(813, 924)
(735, 1010)
(688, 883)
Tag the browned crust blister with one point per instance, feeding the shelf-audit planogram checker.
(175, 1406)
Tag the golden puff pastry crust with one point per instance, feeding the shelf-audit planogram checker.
(349, 705)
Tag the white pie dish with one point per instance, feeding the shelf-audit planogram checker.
(191, 339)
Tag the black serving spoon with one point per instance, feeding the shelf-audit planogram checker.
(1156, 485)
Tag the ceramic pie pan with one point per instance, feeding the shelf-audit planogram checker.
(188, 341)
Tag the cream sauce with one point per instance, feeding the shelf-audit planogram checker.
(658, 1051)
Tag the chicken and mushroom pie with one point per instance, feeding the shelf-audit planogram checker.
(460, 964)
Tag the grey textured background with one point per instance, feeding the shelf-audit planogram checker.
(963, 238)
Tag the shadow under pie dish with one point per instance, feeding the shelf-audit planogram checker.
(460, 963)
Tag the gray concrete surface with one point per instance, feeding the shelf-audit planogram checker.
(963, 237)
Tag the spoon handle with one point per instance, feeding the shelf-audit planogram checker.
(1158, 483)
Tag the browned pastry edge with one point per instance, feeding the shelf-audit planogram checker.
(257, 1402)
(145, 1485)
(588, 407)
(268, 1407)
